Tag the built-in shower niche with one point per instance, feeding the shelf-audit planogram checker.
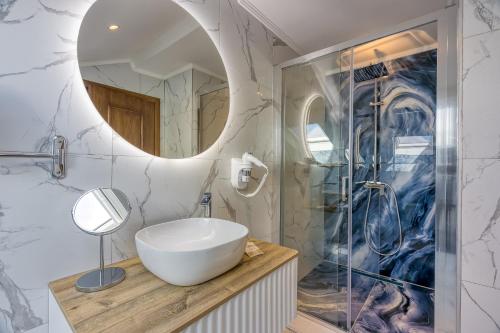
(380, 118)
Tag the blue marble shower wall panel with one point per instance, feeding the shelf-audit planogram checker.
(406, 162)
(377, 306)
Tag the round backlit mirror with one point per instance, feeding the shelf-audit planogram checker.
(154, 75)
(99, 212)
(318, 144)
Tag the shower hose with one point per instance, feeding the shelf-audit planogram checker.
(367, 236)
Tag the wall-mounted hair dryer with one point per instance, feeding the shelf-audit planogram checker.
(241, 169)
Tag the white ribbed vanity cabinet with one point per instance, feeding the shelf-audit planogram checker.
(257, 296)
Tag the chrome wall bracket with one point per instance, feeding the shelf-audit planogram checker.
(58, 156)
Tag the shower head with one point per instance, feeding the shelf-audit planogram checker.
(370, 72)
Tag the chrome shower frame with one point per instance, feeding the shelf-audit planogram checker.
(448, 267)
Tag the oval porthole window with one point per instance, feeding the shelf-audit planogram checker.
(318, 143)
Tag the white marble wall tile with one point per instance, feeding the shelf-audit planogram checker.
(252, 45)
(47, 47)
(481, 222)
(177, 116)
(38, 240)
(51, 56)
(481, 83)
(161, 190)
(124, 77)
(84, 128)
(250, 80)
(30, 123)
(255, 213)
(207, 13)
(481, 166)
(227, 204)
(480, 309)
(203, 82)
(480, 16)
(152, 87)
(178, 135)
(114, 75)
(178, 93)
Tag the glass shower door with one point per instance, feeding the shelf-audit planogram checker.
(315, 184)
(393, 203)
(368, 180)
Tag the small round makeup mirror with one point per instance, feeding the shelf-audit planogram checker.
(100, 212)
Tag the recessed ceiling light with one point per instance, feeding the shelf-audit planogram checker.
(113, 27)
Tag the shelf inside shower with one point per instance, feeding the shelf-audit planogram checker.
(377, 305)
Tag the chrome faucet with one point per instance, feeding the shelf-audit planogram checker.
(206, 202)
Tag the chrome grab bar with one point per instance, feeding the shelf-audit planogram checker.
(58, 156)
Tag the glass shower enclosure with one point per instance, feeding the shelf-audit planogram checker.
(368, 179)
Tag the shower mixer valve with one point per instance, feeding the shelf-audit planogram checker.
(375, 185)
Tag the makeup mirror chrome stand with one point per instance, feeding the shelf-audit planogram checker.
(100, 212)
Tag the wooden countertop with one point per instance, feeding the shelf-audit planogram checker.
(144, 303)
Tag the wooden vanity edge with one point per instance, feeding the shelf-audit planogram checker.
(72, 279)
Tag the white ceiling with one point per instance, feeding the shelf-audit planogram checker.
(157, 37)
(311, 25)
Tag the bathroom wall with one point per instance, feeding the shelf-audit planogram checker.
(481, 166)
(303, 199)
(203, 83)
(402, 229)
(41, 94)
(211, 118)
(180, 118)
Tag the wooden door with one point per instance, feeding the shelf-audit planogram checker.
(135, 117)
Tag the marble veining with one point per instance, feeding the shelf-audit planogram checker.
(480, 246)
(479, 308)
(41, 93)
(484, 12)
(376, 305)
(481, 160)
(396, 309)
(18, 316)
(409, 94)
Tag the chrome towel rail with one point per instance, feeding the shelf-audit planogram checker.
(58, 156)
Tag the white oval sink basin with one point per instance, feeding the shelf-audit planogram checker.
(191, 251)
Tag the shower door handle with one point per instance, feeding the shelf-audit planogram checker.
(358, 159)
(344, 189)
